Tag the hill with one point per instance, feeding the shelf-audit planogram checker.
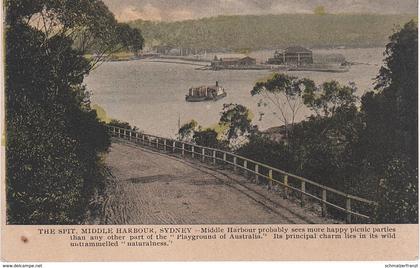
(273, 31)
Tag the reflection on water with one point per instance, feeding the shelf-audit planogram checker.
(151, 95)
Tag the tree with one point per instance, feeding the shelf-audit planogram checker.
(88, 23)
(122, 124)
(233, 129)
(331, 98)
(54, 139)
(265, 150)
(286, 94)
(186, 132)
(321, 147)
(391, 112)
(237, 119)
(397, 91)
(390, 139)
(207, 138)
(130, 38)
(398, 194)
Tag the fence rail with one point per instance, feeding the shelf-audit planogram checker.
(302, 188)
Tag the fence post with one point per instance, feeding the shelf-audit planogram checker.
(129, 136)
(183, 149)
(173, 146)
(150, 141)
(164, 145)
(142, 139)
(257, 180)
(192, 151)
(348, 210)
(224, 158)
(214, 157)
(324, 204)
(235, 160)
(302, 197)
(286, 183)
(245, 168)
(119, 133)
(203, 152)
(270, 179)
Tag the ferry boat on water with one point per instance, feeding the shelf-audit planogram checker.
(206, 93)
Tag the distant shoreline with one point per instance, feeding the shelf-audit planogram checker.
(205, 60)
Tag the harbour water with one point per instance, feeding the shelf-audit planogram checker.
(151, 94)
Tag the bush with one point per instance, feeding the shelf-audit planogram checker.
(54, 139)
(398, 201)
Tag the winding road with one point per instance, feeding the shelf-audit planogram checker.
(150, 187)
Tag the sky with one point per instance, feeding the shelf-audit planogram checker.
(173, 10)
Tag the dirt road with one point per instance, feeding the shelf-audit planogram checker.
(148, 187)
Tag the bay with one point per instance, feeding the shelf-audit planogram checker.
(151, 94)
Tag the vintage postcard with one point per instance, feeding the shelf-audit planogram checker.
(161, 130)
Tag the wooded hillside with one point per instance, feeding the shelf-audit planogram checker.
(273, 31)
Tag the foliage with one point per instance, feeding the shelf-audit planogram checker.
(234, 127)
(286, 94)
(331, 98)
(194, 133)
(88, 23)
(130, 38)
(263, 149)
(102, 115)
(390, 138)
(207, 138)
(238, 119)
(122, 124)
(398, 194)
(54, 138)
(323, 147)
(186, 132)
(320, 146)
(257, 32)
(395, 105)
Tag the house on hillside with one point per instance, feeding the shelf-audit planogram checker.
(232, 62)
(295, 55)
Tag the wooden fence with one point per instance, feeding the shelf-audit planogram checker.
(353, 208)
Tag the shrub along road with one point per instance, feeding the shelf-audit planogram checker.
(149, 187)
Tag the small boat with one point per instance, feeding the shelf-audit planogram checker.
(206, 93)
